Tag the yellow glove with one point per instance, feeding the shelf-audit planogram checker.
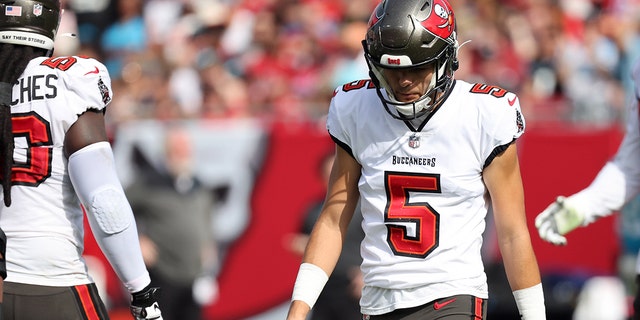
(558, 219)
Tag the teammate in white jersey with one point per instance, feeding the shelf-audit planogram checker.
(427, 156)
(62, 166)
(616, 184)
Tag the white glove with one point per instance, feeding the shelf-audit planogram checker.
(558, 219)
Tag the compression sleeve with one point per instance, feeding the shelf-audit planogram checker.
(93, 175)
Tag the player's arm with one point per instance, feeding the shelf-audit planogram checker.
(503, 180)
(615, 184)
(92, 171)
(601, 198)
(328, 234)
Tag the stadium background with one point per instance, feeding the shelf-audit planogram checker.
(251, 79)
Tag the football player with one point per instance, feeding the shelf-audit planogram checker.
(62, 165)
(428, 156)
(616, 184)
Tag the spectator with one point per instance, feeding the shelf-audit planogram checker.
(124, 37)
(174, 210)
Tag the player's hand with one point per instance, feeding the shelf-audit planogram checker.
(558, 219)
(144, 304)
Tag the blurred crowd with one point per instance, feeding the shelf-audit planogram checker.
(568, 60)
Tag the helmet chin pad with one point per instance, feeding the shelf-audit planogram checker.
(413, 109)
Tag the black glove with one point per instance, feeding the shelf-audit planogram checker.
(144, 304)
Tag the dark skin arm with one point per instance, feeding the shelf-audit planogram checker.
(90, 128)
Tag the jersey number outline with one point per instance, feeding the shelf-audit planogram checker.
(399, 186)
(37, 131)
(60, 63)
(490, 90)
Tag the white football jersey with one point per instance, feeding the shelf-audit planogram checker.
(422, 196)
(44, 224)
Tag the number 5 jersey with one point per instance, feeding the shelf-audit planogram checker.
(422, 196)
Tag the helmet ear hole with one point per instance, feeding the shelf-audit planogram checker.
(29, 22)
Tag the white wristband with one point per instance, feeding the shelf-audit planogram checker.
(530, 302)
(309, 283)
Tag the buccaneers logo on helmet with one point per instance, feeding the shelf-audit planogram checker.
(441, 22)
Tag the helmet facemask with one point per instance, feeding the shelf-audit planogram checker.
(441, 81)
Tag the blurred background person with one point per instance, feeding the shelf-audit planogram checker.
(173, 210)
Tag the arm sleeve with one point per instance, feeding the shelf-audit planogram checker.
(93, 174)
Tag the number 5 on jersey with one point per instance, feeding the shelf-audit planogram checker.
(400, 212)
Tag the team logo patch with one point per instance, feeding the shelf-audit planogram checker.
(104, 91)
(376, 15)
(37, 10)
(519, 121)
(414, 142)
(13, 11)
(442, 22)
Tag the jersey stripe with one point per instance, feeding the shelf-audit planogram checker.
(477, 312)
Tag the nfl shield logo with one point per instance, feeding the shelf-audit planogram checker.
(414, 141)
(37, 10)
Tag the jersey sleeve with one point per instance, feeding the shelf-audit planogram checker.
(511, 123)
(504, 123)
(335, 124)
(87, 85)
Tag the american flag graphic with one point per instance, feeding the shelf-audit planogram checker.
(15, 11)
